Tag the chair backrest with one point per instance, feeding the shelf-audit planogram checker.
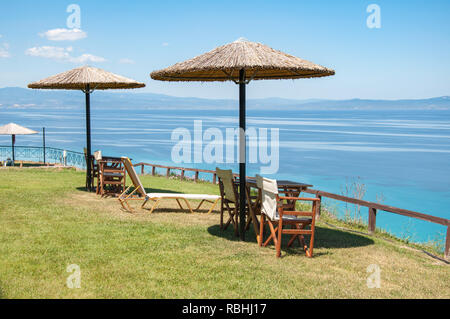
(86, 158)
(85, 153)
(227, 185)
(269, 194)
(133, 176)
(98, 155)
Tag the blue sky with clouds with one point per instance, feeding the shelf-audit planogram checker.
(408, 57)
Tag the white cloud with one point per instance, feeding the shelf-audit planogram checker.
(50, 52)
(4, 51)
(85, 58)
(62, 54)
(64, 34)
(126, 61)
(165, 44)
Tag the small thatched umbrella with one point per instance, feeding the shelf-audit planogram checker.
(13, 130)
(241, 62)
(86, 79)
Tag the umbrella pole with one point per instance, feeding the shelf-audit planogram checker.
(242, 154)
(13, 140)
(43, 142)
(88, 139)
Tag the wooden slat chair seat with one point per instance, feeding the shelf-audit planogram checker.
(273, 213)
(140, 194)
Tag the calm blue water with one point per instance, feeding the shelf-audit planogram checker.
(401, 156)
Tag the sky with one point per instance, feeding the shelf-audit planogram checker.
(406, 54)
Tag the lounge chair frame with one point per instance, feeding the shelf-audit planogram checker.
(178, 198)
(139, 193)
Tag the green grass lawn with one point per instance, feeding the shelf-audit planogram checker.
(48, 222)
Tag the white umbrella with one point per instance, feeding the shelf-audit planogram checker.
(13, 130)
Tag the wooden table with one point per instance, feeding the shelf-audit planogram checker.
(288, 188)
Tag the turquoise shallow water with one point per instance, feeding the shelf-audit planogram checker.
(402, 156)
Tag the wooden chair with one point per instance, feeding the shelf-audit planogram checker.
(95, 172)
(230, 199)
(94, 169)
(273, 213)
(111, 177)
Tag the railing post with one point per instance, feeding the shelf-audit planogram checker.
(214, 178)
(153, 170)
(168, 172)
(196, 176)
(142, 169)
(319, 206)
(447, 244)
(182, 174)
(43, 143)
(372, 219)
(65, 158)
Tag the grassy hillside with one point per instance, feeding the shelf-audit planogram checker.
(48, 222)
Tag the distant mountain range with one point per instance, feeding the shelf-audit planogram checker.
(15, 97)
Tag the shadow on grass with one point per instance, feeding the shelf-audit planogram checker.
(147, 190)
(324, 237)
(168, 210)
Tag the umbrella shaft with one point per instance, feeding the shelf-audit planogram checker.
(13, 141)
(242, 154)
(43, 143)
(88, 139)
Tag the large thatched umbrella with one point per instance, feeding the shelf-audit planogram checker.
(86, 79)
(241, 62)
(13, 130)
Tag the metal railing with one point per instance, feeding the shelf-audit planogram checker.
(36, 154)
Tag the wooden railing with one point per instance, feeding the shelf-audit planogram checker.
(373, 207)
(170, 169)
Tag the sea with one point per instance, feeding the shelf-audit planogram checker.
(398, 158)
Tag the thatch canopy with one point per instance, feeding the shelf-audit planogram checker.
(78, 78)
(224, 63)
(14, 129)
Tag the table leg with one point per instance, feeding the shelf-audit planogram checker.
(291, 192)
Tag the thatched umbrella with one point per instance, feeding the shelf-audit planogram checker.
(241, 62)
(87, 79)
(13, 130)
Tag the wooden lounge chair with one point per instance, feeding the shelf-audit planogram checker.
(230, 198)
(273, 214)
(140, 193)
